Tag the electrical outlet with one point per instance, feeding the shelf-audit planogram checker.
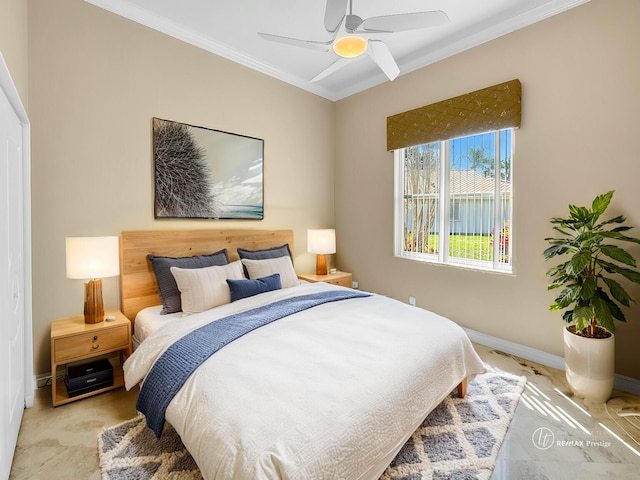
(412, 301)
(355, 284)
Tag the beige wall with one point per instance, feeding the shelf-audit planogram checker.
(580, 73)
(96, 80)
(14, 43)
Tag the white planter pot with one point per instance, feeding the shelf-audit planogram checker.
(590, 366)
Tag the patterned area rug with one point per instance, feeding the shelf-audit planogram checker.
(461, 437)
(459, 440)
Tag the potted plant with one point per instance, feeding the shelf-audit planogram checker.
(591, 294)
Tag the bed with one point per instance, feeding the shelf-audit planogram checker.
(331, 391)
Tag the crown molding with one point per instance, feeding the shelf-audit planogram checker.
(446, 48)
(168, 27)
(542, 12)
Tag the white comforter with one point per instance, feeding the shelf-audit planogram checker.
(329, 393)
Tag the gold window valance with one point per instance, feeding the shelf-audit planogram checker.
(492, 108)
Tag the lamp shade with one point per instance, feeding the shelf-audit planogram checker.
(92, 257)
(321, 241)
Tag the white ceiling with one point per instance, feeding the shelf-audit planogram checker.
(229, 28)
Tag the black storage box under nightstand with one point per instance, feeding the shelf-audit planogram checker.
(88, 377)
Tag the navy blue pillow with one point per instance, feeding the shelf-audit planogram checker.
(167, 286)
(248, 288)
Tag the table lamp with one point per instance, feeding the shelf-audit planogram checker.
(93, 258)
(321, 242)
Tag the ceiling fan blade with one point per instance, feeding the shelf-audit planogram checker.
(380, 54)
(333, 14)
(335, 66)
(296, 42)
(405, 21)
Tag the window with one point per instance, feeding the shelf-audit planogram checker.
(467, 181)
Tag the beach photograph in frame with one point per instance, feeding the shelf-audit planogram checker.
(205, 173)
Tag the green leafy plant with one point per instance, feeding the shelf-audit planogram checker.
(589, 291)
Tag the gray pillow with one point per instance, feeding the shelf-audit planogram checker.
(263, 254)
(273, 252)
(167, 286)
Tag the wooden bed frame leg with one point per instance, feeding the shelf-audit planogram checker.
(462, 388)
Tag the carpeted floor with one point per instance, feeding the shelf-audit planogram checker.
(460, 439)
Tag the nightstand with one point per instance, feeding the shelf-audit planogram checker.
(339, 278)
(73, 340)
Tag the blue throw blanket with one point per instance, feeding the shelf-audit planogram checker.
(172, 369)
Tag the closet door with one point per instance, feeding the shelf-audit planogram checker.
(12, 282)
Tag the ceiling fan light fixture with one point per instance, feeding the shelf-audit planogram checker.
(350, 46)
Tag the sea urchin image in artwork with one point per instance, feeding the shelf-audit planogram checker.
(205, 173)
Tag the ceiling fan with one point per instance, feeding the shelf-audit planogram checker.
(351, 36)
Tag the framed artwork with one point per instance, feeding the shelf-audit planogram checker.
(204, 173)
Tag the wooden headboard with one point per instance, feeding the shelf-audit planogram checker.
(138, 288)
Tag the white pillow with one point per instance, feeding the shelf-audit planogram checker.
(269, 266)
(205, 288)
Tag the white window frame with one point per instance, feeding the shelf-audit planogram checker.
(442, 256)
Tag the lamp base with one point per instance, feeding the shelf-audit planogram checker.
(93, 305)
(321, 264)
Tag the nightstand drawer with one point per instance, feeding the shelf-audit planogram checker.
(343, 281)
(91, 343)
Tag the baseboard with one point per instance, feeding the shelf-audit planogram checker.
(29, 394)
(621, 382)
(627, 384)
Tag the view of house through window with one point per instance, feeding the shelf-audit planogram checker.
(467, 181)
